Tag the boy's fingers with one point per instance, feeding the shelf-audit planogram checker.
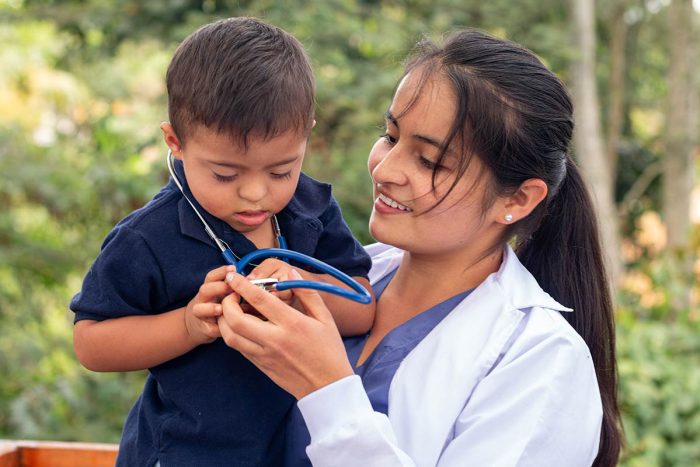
(207, 310)
(211, 291)
(212, 330)
(219, 273)
(266, 269)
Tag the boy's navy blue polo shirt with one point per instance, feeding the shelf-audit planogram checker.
(209, 406)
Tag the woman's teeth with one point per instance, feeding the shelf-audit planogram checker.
(393, 203)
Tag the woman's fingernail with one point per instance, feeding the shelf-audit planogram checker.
(230, 276)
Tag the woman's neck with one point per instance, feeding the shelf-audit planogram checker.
(433, 278)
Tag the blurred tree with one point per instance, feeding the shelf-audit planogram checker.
(679, 169)
(81, 97)
(588, 135)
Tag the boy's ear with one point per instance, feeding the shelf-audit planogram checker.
(171, 139)
(520, 204)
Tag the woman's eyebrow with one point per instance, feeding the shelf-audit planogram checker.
(389, 117)
(423, 138)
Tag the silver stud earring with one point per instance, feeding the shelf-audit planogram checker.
(508, 217)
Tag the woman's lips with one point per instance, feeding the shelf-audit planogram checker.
(386, 205)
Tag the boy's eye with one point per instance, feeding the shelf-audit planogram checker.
(282, 176)
(224, 178)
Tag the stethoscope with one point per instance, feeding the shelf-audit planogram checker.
(360, 294)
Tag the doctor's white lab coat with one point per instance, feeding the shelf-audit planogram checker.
(503, 380)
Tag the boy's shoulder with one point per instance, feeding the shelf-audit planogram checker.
(160, 211)
(311, 198)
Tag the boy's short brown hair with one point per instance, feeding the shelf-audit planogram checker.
(241, 77)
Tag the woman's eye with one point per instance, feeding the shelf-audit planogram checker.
(389, 139)
(283, 176)
(224, 178)
(428, 164)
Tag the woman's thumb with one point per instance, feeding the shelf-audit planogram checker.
(313, 304)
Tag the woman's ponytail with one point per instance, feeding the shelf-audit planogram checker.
(516, 116)
(565, 256)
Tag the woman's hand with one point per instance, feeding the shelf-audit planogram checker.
(299, 352)
(273, 267)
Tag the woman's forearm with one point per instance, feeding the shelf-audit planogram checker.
(345, 429)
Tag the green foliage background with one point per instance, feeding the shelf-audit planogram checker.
(81, 98)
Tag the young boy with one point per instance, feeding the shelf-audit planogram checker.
(241, 107)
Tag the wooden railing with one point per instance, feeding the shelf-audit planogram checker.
(55, 454)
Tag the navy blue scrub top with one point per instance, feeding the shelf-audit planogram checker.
(209, 406)
(377, 370)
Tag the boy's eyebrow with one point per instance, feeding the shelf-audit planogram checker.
(232, 165)
(425, 139)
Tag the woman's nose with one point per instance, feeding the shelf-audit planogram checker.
(386, 166)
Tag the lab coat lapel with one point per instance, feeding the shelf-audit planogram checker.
(435, 381)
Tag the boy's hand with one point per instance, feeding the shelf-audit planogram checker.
(204, 309)
(278, 269)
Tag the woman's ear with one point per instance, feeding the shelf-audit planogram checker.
(520, 204)
(171, 139)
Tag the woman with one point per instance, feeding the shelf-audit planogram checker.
(480, 355)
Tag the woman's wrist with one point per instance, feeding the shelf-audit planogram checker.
(325, 380)
(334, 405)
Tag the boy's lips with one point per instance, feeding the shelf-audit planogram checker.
(251, 217)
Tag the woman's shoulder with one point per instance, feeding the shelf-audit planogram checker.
(546, 330)
(543, 322)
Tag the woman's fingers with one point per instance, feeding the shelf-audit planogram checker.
(236, 341)
(264, 302)
(241, 330)
(312, 302)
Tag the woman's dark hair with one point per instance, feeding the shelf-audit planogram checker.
(241, 77)
(515, 115)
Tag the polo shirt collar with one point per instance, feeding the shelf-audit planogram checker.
(299, 220)
(190, 224)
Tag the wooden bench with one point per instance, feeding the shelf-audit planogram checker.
(56, 454)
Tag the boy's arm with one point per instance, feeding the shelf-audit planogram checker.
(140, 342)
(132, 342)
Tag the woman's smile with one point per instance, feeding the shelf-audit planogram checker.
(385, 205)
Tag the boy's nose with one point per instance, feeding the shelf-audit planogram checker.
(252, 191)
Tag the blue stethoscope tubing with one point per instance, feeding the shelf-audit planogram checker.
(358, 293)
